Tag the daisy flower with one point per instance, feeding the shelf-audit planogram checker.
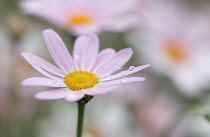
(84, 16)
(86, 73)
(176, 42)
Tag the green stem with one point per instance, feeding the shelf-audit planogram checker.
(81, 110)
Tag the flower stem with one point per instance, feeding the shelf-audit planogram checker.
(81, 110)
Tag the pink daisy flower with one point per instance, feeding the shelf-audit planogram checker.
(85, 17)
(86, 73)
(176, 42)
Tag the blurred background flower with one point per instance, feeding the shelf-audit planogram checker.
(176, 41)
(172, 35)
(84, 17)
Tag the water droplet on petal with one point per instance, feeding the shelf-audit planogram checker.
(124, 80)
(57, 84)
(49, 83)
(132, 68)
(123, 73)
(77, 56)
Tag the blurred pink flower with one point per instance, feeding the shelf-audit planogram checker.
(157, 113)
(176, 42)
(84, 17)
(87, 73)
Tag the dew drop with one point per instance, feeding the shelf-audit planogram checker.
(132, 68)
(124, 80)
(49, 83)
(77, 56)
(123, 73)
(57, 84)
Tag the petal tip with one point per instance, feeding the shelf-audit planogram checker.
(130, 50)
(147, 65)
(93, 35)
(37, 96)
(47, 31)
(143, 79)
(23, 83)
(138, 79)
(23, 54)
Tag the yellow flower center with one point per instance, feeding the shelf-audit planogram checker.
(176, 51)
(78, 80)
(80, 19)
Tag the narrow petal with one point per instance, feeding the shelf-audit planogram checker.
(127, 72)
(101, 90)
(79, 45)
(35, 7)
(39, 81)
(74, 96)
(103, 56)
(58, 50)
(41, 70)
(122, 81)
(90, 53)
(92, 92)
(37, 61)
(52, 94)
(116, 62)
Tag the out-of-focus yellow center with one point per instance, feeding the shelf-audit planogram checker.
(80, 19)
(78, 80)
(175, 51)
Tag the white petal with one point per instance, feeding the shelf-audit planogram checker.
(58, 50)
(74, 96)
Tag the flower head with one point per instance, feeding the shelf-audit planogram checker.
(86, 73)
(84, 17)
(176, 43)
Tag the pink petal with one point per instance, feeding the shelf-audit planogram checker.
(122, 81)
(39, 81)
(37, 61)
(103, 56)
(121, 23)
(79, 45)
(116, 7)
(101, 90)
(128, 72)
(116, 62)
(43, 71)
(74, 96)
(90, 53)
(58, 50)
(37, 7)
(92, 92)
(52, 94)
